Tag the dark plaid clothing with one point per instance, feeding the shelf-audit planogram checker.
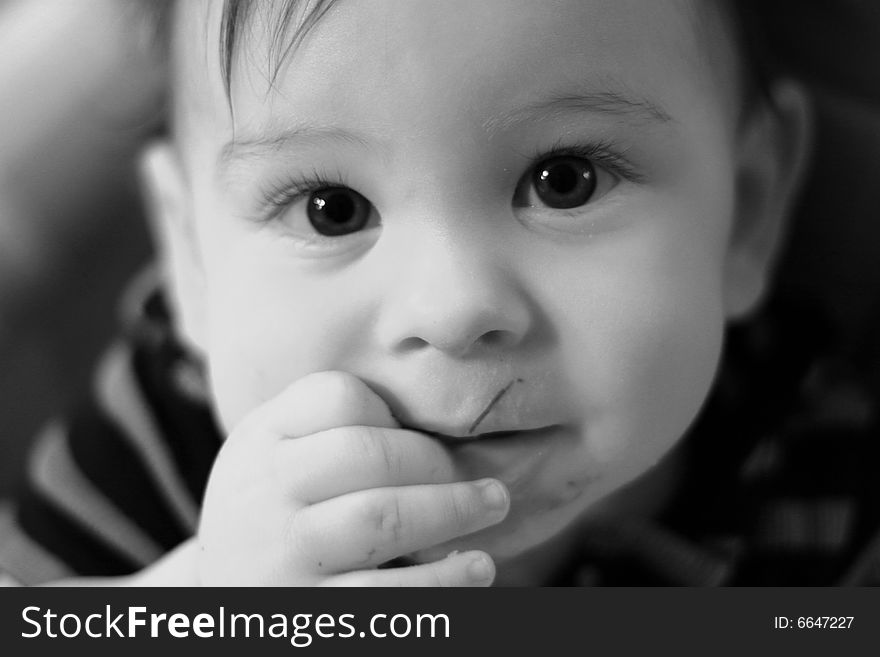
(781, 485)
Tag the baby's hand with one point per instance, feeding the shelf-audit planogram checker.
(319, 486)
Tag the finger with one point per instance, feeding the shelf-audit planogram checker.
(466, 569)
(318, 402)
(367, 528)
(351, 459)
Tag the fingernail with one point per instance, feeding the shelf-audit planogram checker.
(479, 569)
(494, 494)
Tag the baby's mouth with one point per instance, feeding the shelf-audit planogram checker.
(453, 438)
(511, 414)
(459, 441)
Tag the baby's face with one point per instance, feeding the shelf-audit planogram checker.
(454, 200)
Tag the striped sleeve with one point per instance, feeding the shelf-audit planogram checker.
(107, 492)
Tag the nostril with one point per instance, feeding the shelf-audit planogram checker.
(412, 344)
(494, 338)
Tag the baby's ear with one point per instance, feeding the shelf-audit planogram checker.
(174, 235)
(773, 149)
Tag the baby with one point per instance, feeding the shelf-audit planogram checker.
(459, 272)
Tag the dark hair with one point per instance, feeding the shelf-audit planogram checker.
(286, 35)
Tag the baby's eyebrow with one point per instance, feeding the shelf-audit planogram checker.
(612, 102)
(615, 103)
(247, 147)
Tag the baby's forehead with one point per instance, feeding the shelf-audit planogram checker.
(228, 43)
(282, 25)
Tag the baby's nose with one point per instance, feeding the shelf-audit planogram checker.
(455, 299)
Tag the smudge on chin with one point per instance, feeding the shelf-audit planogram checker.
(527, 503)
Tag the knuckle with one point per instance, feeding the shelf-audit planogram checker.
(385, 517)
(378, 451)
(339, 387)
(461, 506)
(364, 447)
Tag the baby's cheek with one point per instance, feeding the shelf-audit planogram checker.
(680, 359)
(643, 378)
(237, 385)
(248, 365)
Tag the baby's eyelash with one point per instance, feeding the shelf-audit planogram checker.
(606, 154)
(279, 194)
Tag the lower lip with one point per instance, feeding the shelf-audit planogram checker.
(514, 458)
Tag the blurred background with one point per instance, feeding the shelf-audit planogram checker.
(79, 92)
(82, 89)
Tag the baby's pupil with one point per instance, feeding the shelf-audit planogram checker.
(561, 178)
(338, 211)
(565, 182)
(337, 208)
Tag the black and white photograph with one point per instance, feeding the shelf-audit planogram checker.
(439, 293)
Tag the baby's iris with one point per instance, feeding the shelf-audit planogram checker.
(564, 182)
(336, 211)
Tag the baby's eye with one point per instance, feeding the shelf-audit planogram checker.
(337, 211)
(562, 182)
